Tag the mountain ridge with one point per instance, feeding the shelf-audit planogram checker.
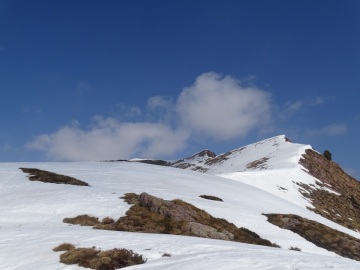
(250, 184)
(326, 189)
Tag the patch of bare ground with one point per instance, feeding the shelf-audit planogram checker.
(343, 209)
(64, 247)
(258, 164)
(50, 177)
(86, 220)
(98, 259)
(211, 197)
(150, 214)
(221, 158)
(319, 234)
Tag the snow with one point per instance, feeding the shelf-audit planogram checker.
(32, 213)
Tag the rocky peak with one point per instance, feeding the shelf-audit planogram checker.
(204, 153)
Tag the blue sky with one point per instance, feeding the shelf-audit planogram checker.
(88, 80)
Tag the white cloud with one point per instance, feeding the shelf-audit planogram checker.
(109, 139)
(334, 129)
(221, 108)
(128, 111)
(214, 106)
(159, 102)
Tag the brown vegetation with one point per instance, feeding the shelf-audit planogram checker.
(82, 220)
(319, 234)
(64, 247)
(150, 214)
(100, 260)
(50, 177)
(210, 197)
(343, 209)
(258, 164)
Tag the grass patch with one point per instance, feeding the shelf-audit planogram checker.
(50, 177)
(64, 247)
(210, 197)
(150, 214)
(258, 164)
(100, 260)
(130, 198)
(319, 234)
(82, 220)
(343, 209)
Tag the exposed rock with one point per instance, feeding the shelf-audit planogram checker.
(341, 207)
(319, 234)
(50, 177)
(150, 214)
(205, 231)
(168, 209)
(204, 153)
(155, 162)
(211, 197)
(258, 164)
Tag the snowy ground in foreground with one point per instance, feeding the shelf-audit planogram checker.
(32, 212)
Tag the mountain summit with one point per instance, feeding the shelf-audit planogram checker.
(292, 171)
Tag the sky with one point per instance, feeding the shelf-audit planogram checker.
(98, 80)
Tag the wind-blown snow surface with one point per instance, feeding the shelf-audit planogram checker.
(271, 165)
(31, 215)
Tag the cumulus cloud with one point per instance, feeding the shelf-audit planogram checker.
(128, 111)
(107, 138)
(214, 106)
(219, 107)
(159, 102)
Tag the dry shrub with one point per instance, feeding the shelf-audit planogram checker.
(154, 215)
(130, 198)
(82, 220)
(64, 247)
(107, 220)
(175, 217)
(101, 260)
(210, 197)
(319, 234)
(343, 209)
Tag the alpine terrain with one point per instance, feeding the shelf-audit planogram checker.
(273, 204)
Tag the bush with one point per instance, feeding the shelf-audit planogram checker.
(64, 247)
(327, 155)
(101, 260)
(82, 220)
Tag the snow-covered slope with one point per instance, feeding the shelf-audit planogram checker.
(31, 216)
(271, 165)
(273, 153)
